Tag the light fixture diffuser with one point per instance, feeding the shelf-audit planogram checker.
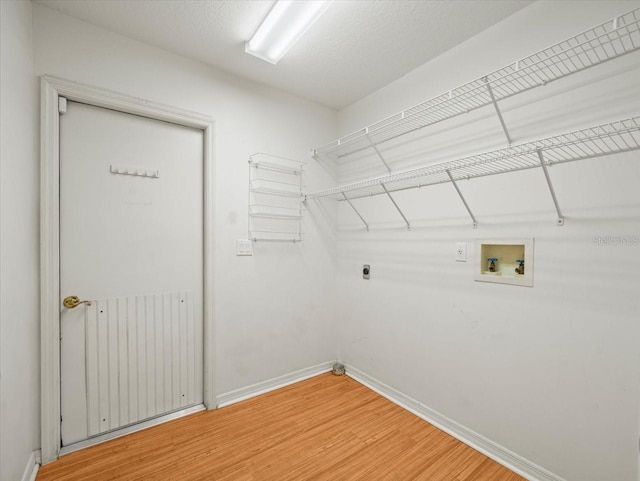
(284, 25)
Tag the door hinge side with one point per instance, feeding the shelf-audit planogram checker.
(62, 105)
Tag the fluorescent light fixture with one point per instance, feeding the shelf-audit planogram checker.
(284, 25)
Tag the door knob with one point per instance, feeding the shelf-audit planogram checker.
(74, 301)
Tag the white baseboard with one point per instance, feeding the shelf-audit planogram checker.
(31, 469)
(498, 453)
(272, 384)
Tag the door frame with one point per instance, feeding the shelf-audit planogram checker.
(51, 89)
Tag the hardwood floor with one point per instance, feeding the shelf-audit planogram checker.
(326, 428)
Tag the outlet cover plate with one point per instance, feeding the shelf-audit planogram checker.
(244, 247)
(366, 271)
(461, 252)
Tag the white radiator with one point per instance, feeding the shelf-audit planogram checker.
(140, 358)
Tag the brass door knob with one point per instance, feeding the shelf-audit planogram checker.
(74, 301)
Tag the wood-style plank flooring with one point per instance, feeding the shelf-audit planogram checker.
(326, 428)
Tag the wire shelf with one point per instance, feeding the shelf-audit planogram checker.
(276, 187)
(276, 192)
(275, 212)
(275, 236)
(276, 163)
(610, 138)
(607, 41)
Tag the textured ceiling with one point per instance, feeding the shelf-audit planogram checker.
(357, 47)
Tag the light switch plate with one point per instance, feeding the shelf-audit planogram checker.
(461, 252)
(243, 247)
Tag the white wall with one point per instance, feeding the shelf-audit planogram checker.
(19, 248)
(272, 309)
(550, 372)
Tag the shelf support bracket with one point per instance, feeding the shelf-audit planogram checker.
(396, 206)
(495, 104)
(560, 220)
(466, 206)
(355, 210)
(375, 147)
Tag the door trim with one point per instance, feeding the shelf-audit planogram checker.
(51, 88)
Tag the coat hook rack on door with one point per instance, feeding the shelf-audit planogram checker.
(275, 198)
(136, 171)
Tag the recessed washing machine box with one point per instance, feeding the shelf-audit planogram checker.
(505, 261)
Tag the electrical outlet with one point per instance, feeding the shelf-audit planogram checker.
(461, 252)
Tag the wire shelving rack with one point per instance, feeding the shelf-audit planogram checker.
(601, 140)
(604, 42)
(275, 198)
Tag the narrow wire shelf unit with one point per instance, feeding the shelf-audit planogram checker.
(601, 140)
(275, 198)
(607, 41)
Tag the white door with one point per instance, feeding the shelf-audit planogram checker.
(131, 243)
